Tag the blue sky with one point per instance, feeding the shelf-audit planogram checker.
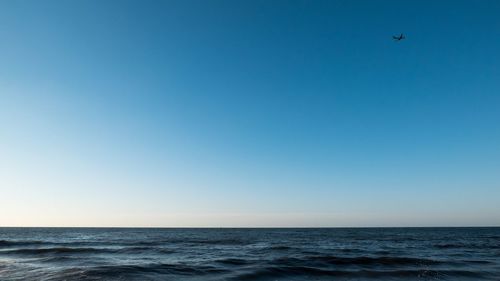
(249, 113)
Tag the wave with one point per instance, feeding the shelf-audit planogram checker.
(11, 243)
(233, 261)
(466, 246)
(21, 243)
(279, 248)
(85, 250)
(211, 241)
(122, 271)
(57, 250)
(342, 261)
(364, 260)
(193, 241)
(295, 271)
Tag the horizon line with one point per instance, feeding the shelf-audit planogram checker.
(251, 227)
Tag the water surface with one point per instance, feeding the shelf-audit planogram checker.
(250, 254)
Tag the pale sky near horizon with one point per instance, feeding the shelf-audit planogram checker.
(249, 113)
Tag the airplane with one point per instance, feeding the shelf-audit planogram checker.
(399, 38)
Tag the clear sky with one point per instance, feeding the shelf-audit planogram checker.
(249, 113)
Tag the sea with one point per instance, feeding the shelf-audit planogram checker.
(249, 254)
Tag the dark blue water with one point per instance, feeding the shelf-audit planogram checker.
(250, 254)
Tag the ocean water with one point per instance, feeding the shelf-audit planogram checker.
(250, 254)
